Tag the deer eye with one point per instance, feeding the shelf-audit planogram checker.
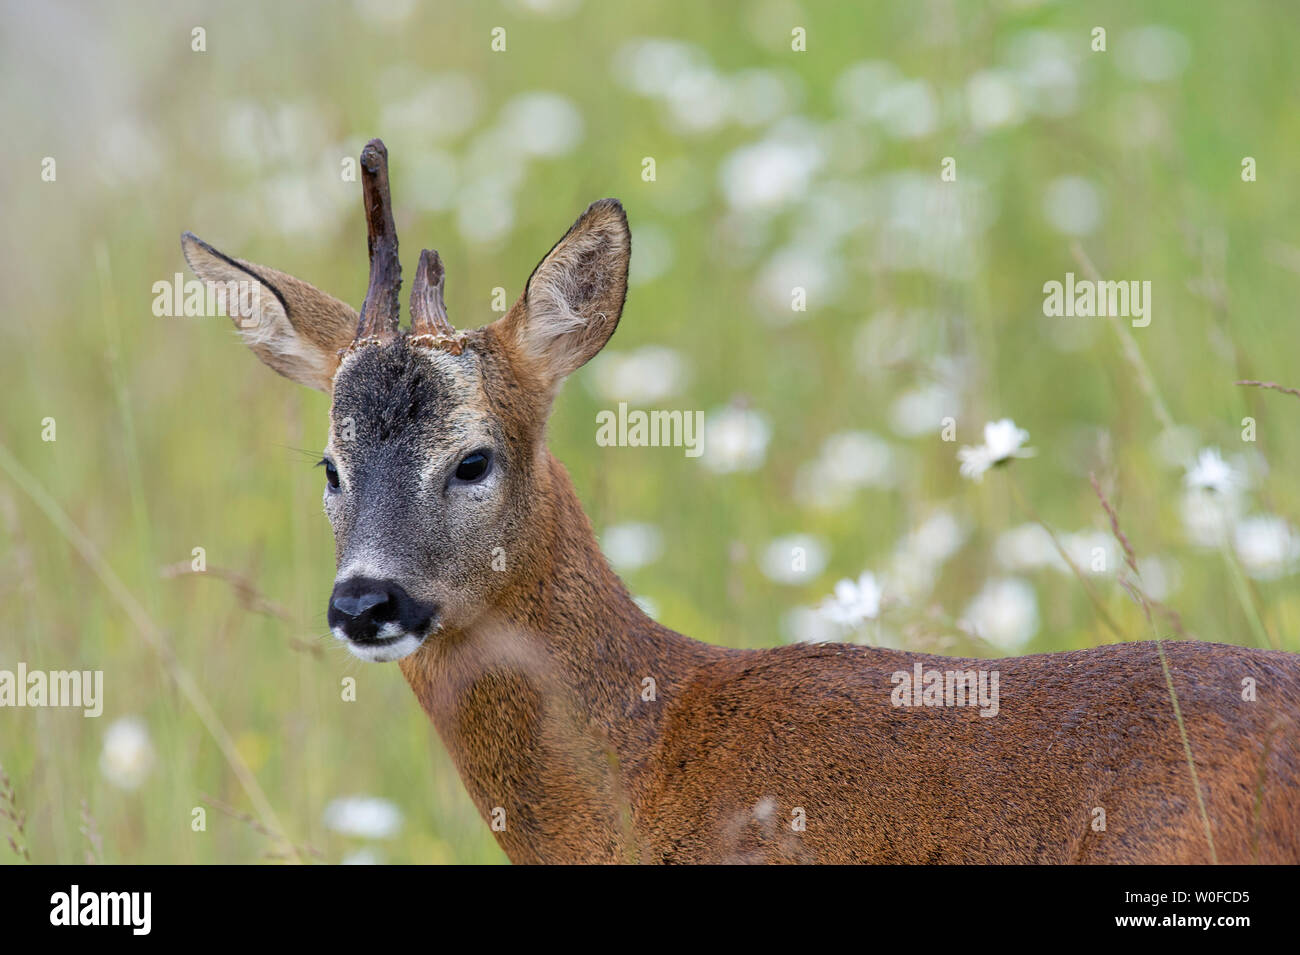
(331, 474)
(473, 467)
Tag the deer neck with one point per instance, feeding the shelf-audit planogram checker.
(551, 704)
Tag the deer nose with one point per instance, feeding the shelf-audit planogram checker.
(354, 605)
(361, 607)
(365, 610)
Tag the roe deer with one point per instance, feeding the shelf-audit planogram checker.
(463, 552)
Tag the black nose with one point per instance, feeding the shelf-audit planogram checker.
(356, 605)
(375, 611)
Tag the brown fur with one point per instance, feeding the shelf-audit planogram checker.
(534, 678)
(529, 701)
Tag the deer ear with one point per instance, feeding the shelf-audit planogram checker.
(575, 295)
(293, 327)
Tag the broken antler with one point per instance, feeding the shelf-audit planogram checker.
(381, 311)
(428, 311)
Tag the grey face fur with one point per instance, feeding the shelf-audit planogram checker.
(404, 418)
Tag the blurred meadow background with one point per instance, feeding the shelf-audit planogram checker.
(774, 170)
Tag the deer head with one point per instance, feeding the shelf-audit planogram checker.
(436, 451)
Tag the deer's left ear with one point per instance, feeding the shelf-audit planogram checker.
(575, 295)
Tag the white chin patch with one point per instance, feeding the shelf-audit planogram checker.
(397, 644)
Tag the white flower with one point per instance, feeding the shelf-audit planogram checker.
(910, 576)
(818, 271)
(938, 538)
(909, 202)
(849, 460)
(543, 124)
(1211, 473)
(1160, 576)
(993, 100)
(922, 410)
(735, 439)
(861, 86)
(1093, 552)
(367, 817)
(1073, 205)
(1030, 547)
(1267, 546)
(1027, 547)
(639, 377)
(793, 559)
(649, 65)
(630, 546)
(770, 173)
(1044, 65)
(427, 108)
(128, 753)
(1208, 516)
(907, 110)
(1002, 442)
(920, 554)
(858, 459)
(854, 602)
(1004, 612)
(974, 461)
(698, 100)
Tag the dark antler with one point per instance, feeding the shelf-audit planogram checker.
(381, 311)
(428, 311)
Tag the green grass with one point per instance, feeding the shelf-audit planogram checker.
(171, 436)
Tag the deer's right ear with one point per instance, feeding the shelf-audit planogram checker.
(293, 327)
(575, 295)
